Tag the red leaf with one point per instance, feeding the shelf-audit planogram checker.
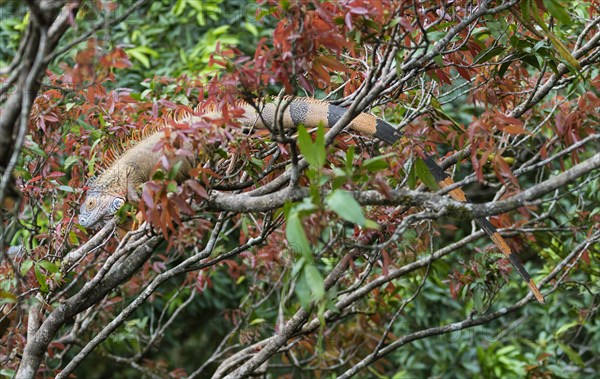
(148, 199)
(50, 117)
(386, 263)
(504, 169)
(513, 129)
(183, 205)
(159, 266)
(544, 152)
(332, 63)
(85, 57)
(464, 73)
(359, 10)
(444, 78)
(348, 20)
(508, 120)
(198, 188)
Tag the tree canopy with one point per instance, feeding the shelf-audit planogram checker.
(294, 252)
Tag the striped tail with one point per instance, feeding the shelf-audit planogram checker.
(311, 112)
(388, 134)
(444, 180)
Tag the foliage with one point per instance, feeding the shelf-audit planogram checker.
(345, 256)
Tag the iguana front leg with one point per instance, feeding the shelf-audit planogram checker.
(132, 195)
(136, 177)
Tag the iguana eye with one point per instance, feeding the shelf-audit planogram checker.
(91, 203)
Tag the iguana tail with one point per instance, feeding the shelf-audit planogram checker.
(444, 180)
(310, 112)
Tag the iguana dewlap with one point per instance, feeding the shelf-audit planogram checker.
(121, 181)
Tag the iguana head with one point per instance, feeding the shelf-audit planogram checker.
(98, 208)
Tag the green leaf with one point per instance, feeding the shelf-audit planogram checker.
(506, 350)
(564, 52)
(179, 7)
(141, 54)
(174, 170)
(25, 267)
(200, 19)
(303, 291)
(525, 8)
(560, 47)
(342, 203)
(412, 177)
(566, 327)
(7, 296)
(250, 27)
(298, 266)
(294, 232)
(172, 187)
(159, 175)
(370, 224)
(257, 321)
(349, 158)
(66, 188)
(572, 354)
(41, 279)
(558, 11)
(314, 153)
(531, 60)
(314, 279)
(49, 266)
(220, 30)
(377, 163)
(71, 160)
(478, 300)
(498, 372)
(34, 147)
(91, 164)
(487, 54)
(497, 27)
(145, 93)
(6, 372)
(73, 238)
(409, 235)
(425, 175)
(140, 57)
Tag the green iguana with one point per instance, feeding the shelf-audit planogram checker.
(121, 181)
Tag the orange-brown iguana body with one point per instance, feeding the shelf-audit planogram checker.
(120, 182)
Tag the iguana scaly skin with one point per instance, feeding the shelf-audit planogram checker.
(120, 182)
